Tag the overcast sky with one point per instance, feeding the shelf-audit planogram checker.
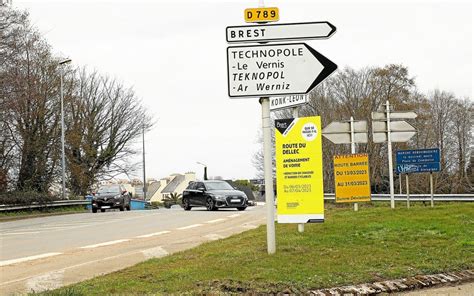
(173, 53)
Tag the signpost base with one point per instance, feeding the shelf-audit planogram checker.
(301, 228)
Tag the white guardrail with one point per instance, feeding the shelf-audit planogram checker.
(327, 196)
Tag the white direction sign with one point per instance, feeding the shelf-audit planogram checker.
(397, 137)
(345, 127)
(339, 132)
(401, 131)
(395, 126)
(346, 138)
(286, 102)
(279, 32)
(394, 115)
(275, 70)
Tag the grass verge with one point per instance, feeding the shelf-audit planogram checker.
(373, 244)
(19, 215)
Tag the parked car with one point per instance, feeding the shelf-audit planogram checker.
(213, 195)
(111, 197)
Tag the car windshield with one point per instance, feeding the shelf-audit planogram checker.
(218, 186)
(109, 189)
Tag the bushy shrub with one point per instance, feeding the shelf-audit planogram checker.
(26, 198)
(156, 204)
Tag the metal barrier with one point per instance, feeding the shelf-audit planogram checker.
(327, 196)
(58, 203)
(415, 197)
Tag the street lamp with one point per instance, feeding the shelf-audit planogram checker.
(63, 161)
(144, 171)
(205, 169)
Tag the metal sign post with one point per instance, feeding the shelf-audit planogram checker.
(295, 115)
(267, 166)
(390, 161)
(400, 180)
(385, 130)
(408, 191)
(431, 189)
(353, 151)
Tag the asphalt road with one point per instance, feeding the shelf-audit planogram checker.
(49, 252)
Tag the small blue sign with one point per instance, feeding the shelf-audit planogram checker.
(418, 161)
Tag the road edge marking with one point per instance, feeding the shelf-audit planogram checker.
(105, 244)
(153, 234)
(29, 258)
(215, 221)
(189, 226)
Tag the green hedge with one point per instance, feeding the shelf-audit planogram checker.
(26, 198)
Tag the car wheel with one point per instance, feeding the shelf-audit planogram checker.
(241, 208)
(94, 210)
(102, 210)
(210, 205)
(186, 205)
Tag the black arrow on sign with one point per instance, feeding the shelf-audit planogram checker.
(329, 67)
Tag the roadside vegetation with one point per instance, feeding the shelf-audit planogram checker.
(102, 116)
(374, 244)
(26, 214)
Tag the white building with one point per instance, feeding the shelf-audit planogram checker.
(175, 183)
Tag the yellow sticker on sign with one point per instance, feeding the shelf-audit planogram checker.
(299, 170)
(351, 177)
(263, 14)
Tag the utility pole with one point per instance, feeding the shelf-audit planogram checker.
(144, 170)
(205, 169)
(63, 158)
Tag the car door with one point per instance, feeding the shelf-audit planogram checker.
(199, 194)
(190, 193)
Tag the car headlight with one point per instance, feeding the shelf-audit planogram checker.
(219, 197)
(117, 196)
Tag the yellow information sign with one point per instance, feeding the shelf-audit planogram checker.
(351, 177)
(299, 170)
(262, 14)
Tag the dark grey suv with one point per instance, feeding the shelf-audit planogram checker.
(213, 195)
(111, 197)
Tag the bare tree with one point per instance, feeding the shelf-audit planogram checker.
(29, 80)
(105, 117)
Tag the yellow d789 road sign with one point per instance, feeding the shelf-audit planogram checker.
(263, 14)
(351, 177)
